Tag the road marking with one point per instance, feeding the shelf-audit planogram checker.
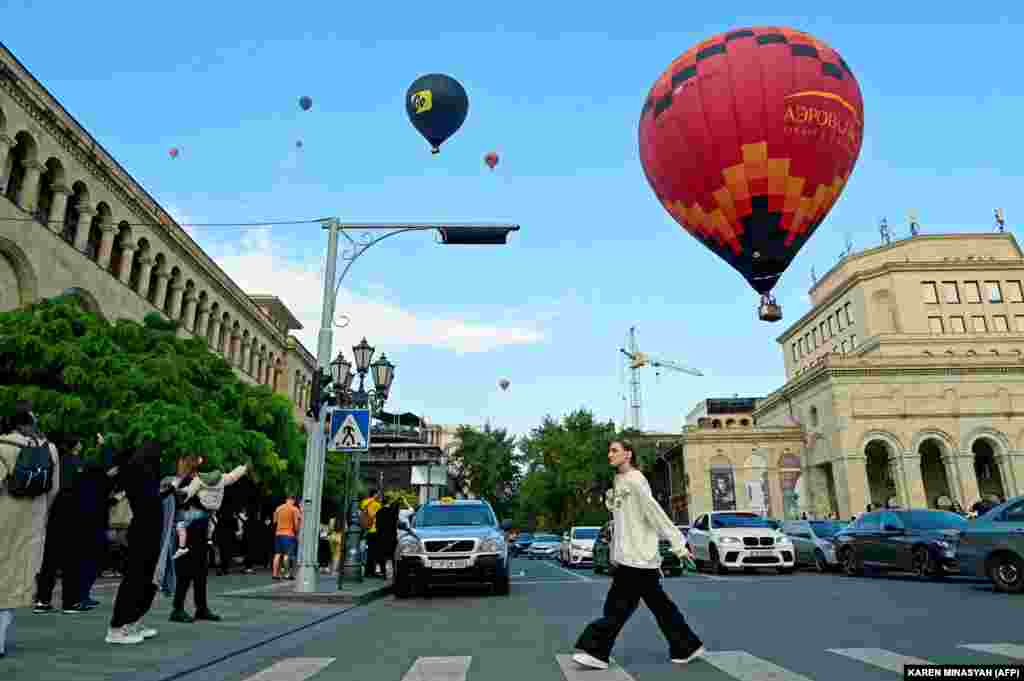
(293, 669)
(745, 667)
(575, 672)
(438, 669)
(570, 572)
(878, 657)
(532, 580)
(1015, 650)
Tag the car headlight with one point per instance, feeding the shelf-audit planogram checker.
(943, 544)
(730, 540)
(492, 544)
(579, 547)
(783, 540)
(409, 546)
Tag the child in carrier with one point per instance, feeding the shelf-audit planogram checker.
(203, 494)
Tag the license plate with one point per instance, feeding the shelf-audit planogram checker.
(448, 564)
(762, 553)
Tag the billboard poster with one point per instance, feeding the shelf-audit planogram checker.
(723, 489)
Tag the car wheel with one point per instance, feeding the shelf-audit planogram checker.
(503, 587)
(786, 570)
(851, 565)
(716, 565)
(402, 588)
(1007, 573)
(922, 563)
(820, 564)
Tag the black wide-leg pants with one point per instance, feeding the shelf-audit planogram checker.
(629, 585)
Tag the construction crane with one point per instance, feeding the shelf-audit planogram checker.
(638, 360)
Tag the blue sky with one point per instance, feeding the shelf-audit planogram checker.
(556, 89)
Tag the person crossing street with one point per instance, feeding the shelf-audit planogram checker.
(638, 520)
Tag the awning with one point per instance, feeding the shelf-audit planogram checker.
(406, 419)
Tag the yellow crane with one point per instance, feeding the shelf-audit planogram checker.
(637, 361)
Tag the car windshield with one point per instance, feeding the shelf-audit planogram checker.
(541, 538)
(524, 537)
(585, 533)
(739, 520)
(440, 515)
(933, 520)
(826, 528)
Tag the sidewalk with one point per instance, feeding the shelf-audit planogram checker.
(59, 647)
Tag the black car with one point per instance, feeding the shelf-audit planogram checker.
(521, 543)
(921, 541)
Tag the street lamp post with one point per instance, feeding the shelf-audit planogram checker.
(452, 234)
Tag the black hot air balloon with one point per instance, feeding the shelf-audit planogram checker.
(437, 106)
(306, 103)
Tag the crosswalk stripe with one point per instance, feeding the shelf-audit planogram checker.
(746, 667)
(293, 669)
(438, 669)
(886, 659)
(575, 672)
(1015, 650)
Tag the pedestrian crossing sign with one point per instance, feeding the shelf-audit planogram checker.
(350, 430)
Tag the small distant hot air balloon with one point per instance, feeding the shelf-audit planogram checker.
(491, 159)
(753, 181)
(437, 105)
(504, 383)
(306, 103)
(173, 152)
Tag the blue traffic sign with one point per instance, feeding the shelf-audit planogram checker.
(350, 430)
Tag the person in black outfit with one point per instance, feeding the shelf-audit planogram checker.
(139, 476)
(63, 544)
(193, 567)
(387, 536)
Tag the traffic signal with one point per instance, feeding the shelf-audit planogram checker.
(476, 235)
(319, 398)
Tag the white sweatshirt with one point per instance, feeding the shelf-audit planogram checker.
(638, 520)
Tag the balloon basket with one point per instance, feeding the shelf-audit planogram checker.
(769, 312)
(435, 150)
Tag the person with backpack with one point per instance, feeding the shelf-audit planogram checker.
(29, 484)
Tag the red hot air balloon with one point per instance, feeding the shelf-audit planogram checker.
(173, 152)
(491, 159)
(747, 140)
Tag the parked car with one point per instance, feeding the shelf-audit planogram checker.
(670, 563)
(544, 546)
(728, 540)
(521, 543)
(578, 546)
(452, 541)
(814, 541)
(993, 546)
(922, 541)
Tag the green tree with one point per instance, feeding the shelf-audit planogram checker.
(486, 463)
(136, 382)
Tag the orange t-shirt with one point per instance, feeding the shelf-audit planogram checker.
(287, 519)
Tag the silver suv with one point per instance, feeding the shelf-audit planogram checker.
(451, 542)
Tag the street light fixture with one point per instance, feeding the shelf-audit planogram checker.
(316, 446)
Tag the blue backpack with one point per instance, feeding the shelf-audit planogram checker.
(32, 475)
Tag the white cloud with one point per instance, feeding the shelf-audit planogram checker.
(256, 267)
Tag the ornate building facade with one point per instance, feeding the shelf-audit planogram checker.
(72, 220)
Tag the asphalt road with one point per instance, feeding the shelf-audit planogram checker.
(763, 627)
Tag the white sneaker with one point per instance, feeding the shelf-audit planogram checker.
(125, 634)
(142, 630)
(589, 661)
(691, 657)
(179, 553)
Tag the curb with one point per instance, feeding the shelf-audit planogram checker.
(286, 593)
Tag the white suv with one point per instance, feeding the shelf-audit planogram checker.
(578, 546)
(739, 539)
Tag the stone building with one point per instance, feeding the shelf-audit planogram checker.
(904, 385)
(72, 220)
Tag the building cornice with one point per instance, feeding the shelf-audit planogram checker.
(51, 116)
(837, 368)
(296, 345)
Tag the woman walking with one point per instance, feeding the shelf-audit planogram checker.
(638, 520)
(139, 476)
(22, 519)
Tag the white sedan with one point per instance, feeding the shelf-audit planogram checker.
(731, 540)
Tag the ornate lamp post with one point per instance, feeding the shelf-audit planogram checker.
(383, 375)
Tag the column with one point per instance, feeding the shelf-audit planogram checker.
(203, 320)
(964, 486)
(214, 334)
(55, 220)
(1012, 466)
(234, 339)
(856, 486)
(160, 297)
(85, 214)
(175, 298)
(128, 254)
(912, 494)
(189, 321)
(243, 356)
(145, 271)
(107, 242)
(29, 192)
(6, 143)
